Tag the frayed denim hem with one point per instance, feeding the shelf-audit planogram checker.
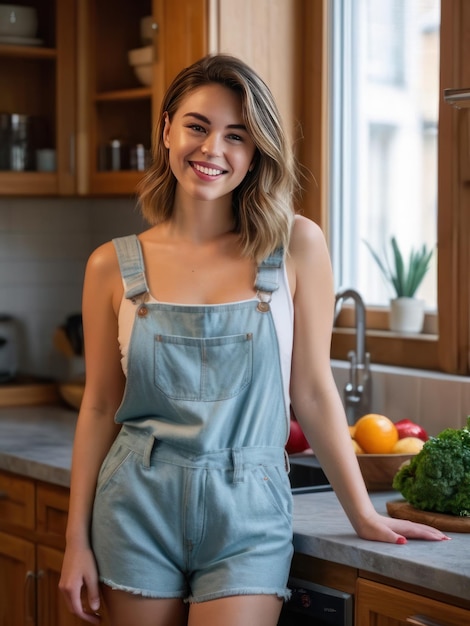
(282, 593)
(145, 593)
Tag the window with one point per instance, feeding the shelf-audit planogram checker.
(384, 96)
(448, 348)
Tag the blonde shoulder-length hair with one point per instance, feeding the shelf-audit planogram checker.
(263, 202)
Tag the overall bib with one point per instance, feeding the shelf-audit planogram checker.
(193, 499)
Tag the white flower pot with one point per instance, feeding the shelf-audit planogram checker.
(406, 315)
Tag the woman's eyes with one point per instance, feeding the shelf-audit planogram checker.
(197, 127)
(200, 129)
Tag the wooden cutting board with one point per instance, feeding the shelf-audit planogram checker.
(447, 523)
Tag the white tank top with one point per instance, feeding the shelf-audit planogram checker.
(282, 309)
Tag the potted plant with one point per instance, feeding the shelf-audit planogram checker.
(406, 311)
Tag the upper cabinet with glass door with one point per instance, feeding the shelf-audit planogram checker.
(128, 52)
(37, 97)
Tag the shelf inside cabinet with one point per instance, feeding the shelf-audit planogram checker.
(28, 183)
(27, 52)
(116, 183)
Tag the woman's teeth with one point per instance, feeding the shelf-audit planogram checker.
(209, 171)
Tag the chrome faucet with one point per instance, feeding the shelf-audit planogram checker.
(357, 392)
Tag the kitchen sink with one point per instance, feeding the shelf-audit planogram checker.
(306, 474)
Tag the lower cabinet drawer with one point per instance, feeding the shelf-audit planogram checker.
(17, 501)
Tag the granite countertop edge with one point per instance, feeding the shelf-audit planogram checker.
(36, 442)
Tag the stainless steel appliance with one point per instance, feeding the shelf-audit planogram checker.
(20, 136)
(16, 142)
(316, 605)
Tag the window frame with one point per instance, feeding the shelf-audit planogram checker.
(445, 342)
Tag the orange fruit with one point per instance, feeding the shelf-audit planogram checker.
(408, 445)
(376, 434)
(356, 447)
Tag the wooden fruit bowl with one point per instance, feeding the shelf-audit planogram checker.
(72, 393)
(378, 470)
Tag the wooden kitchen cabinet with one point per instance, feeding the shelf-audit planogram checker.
(39, 81)
(33, 517)
(17, 567)
(79, 84)
(382, 605)
(114, 107)
(381, 601)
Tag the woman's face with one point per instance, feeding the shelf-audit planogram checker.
(210, 150)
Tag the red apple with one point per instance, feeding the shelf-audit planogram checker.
(407, 428)
(297, 441)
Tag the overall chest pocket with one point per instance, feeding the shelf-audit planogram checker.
(203, 369)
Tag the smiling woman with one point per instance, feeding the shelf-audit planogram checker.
(228, 155)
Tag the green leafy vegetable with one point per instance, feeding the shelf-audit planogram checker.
(438, 477)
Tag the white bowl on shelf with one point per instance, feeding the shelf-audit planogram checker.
(144, 74)
(141, 60)
(18, 21)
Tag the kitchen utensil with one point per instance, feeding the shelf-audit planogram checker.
(139, 157)
(16, 141)
(401, 509)
(46, 160)
(74, 332)
(62, 343)
(114, 156)
(18, 21)
(8, 348)
(20, 136)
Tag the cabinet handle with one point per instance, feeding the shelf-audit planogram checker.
(423, 620)
(30, 597)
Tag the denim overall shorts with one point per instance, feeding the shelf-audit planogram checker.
(193, 500)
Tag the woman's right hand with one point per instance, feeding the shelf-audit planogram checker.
(79, 584)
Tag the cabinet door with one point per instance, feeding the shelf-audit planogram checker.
(52, 504)
(382, 605)
(17, 509)
(37, 80)
(52, 610)
(182, 35)
(17, 581)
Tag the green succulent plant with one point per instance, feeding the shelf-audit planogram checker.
(405, 279)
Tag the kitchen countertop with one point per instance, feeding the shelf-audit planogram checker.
(37, 442)
(321, 529)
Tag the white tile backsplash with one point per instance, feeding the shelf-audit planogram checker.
(431, 399)
(44, 246)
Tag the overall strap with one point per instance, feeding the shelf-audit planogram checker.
(131, 264)
(267, 277)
